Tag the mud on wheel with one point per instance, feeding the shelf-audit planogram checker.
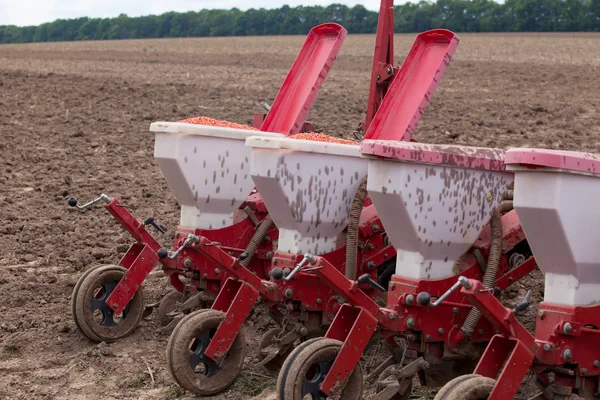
(186, 361)
(93, 317)
(306, 368)
(467, 387)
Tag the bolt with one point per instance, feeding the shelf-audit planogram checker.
(480, 332)
(392, 316)
(303, 331)
(547, 347)
(455, 310)
(389, 70)
(286, 271)
(288, 293)
(410, 299)
(115, 305)
(259, 299)
(567, 328)
(319, 301)
(410, 322)
(270, 255)
(567, 354)
(205, 276)
(596, 363)
(308, 306)
(371, 265)
(378, 77)
(187, 263)
(217, 271)
(428, 338)
(375, 228)
(441, 331)
(584, 371)
(541, 313)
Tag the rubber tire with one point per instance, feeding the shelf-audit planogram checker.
(167, 305)
(467, 387)
(74, 296)
(178, 362)
(300, 360)
(82, 306)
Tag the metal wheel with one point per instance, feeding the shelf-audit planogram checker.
(306, 368)
(186, 361)
(467, 387)
(92, 315)
(385, 375)
(171, 302)
(266, 345)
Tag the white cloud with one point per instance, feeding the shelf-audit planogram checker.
(34, 12)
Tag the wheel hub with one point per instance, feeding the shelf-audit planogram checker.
(102, 310)
(199, 362)
(314, 378)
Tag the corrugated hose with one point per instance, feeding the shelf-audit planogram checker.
(493, 262)
(352, 235)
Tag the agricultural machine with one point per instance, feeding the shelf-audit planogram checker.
(553, 199)
(311, 244)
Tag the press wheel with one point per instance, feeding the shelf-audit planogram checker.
(186, 361)
(467, 387)
(94, 318)
(306, 368)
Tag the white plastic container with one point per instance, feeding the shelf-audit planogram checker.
(556, 199)
(308, 188)
(207, 168)
(433, 200)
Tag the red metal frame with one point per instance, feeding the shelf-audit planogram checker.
(435, 327)
(565, 343)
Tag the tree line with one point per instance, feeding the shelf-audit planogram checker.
(456, 15)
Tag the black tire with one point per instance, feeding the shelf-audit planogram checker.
(93, 317)
(206, 377)
(467, 387)
(306, 367)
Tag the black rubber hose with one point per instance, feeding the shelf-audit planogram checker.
(352, 235)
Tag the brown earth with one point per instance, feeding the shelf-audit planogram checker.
(74, 120)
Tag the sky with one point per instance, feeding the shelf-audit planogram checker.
(35, 12)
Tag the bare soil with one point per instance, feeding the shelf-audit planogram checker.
(74, 120)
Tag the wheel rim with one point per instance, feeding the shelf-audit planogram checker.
(94, 317)
(103, 314)
(314, 378)
(198, 361)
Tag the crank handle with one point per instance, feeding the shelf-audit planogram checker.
(424, 298)
(164, 253)
(523, 304)
(366, 279)
(150, 221)
(308, 258)
(73, 202)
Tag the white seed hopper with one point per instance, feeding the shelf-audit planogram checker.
(433, 200)
(556, 199)
(308, 188)
(207, 168)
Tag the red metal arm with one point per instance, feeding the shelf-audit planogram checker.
(383, 60)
